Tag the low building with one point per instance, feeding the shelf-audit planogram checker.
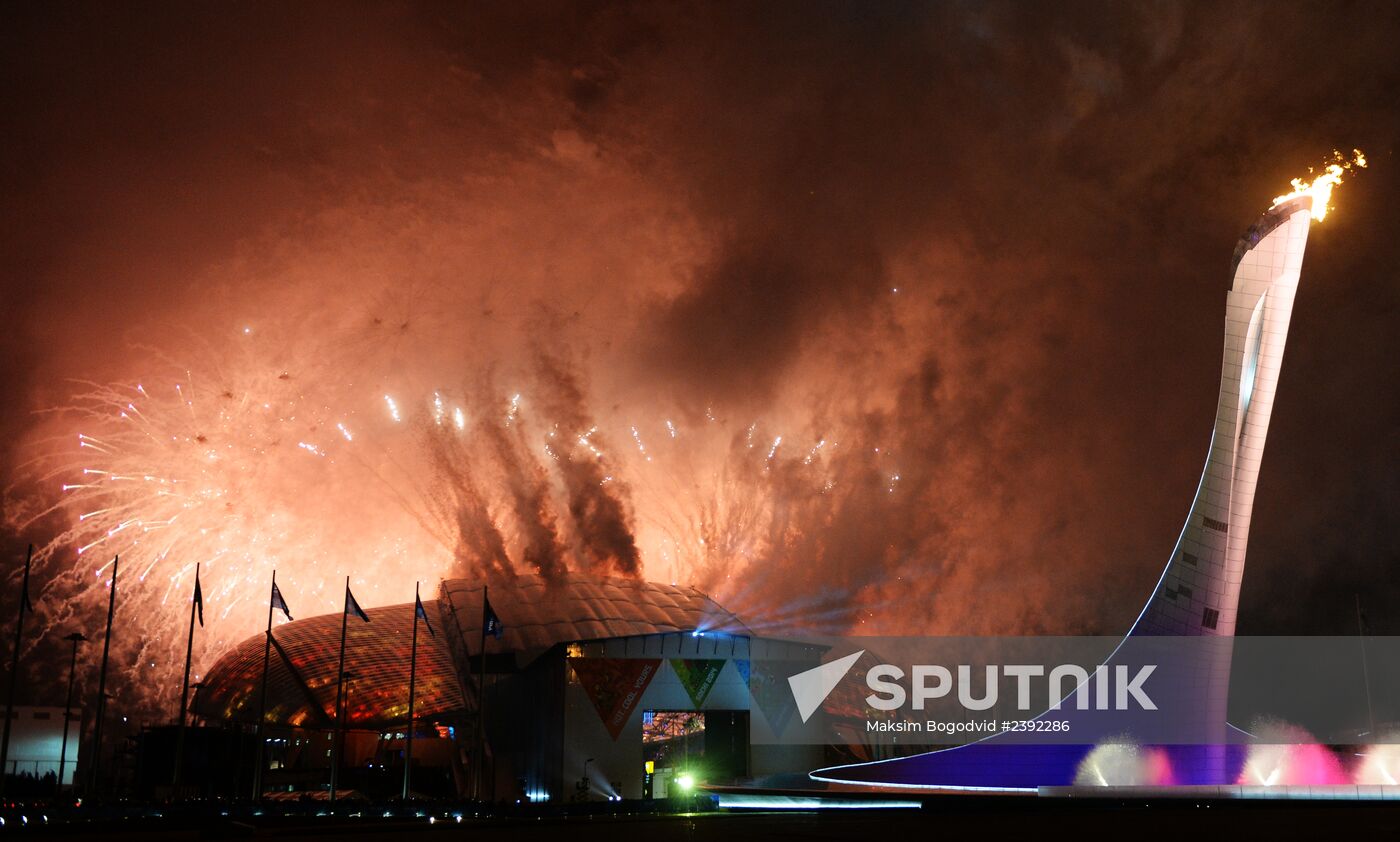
(36, 743)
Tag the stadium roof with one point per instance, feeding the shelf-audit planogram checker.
(536, 615)
(301, 672)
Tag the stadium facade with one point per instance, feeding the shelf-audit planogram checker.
(598, 688)
(1198, 592)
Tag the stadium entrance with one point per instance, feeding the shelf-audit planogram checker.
(681, 747)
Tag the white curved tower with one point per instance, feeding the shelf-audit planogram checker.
(1199, 591)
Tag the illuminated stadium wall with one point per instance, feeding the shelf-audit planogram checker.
(580, 665)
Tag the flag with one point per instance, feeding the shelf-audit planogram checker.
(199, 599)
(419, 612)
(279, 602)
(491, 624)
(353, 607)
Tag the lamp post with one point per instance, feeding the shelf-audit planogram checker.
(75, 638)
(585, 786)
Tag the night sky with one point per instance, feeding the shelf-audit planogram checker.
(992, 240)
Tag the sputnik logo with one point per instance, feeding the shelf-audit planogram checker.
(1114, 688)
(810, 688)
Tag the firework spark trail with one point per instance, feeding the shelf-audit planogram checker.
(735, 520)
(527, 483)
(599, 503)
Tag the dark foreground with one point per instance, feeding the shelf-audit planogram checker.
(948, 817)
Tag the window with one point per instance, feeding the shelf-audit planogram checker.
(1190, 559)
(1210, 618)
(1184, 591)
(1217, 525)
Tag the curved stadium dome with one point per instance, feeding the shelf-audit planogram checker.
(536, 614)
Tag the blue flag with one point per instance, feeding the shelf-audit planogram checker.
(353, 607)
(419, 612)
(280, 603)
(491, 624)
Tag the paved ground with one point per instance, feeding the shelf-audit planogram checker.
(970, 818)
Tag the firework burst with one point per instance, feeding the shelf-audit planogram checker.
(243, 468)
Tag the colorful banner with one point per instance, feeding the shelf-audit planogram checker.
(615, 686)
(698, 676)
(768, 686)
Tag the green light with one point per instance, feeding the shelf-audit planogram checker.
(685, 782)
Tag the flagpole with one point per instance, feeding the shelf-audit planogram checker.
(185, 688)
(481, 706)
(102, 683)
(262, 703)
(339, 686)
(412, 680)
(14, 672)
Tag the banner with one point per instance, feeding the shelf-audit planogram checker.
(615, 686)
(698, 676)
(768, 686)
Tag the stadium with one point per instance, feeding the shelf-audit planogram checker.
(598, 688)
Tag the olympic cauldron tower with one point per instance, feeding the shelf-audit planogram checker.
(1198, 592)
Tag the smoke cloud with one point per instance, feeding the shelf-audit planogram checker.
(889, 318)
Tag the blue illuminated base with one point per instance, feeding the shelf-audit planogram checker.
(991, 766)
(765, 801)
